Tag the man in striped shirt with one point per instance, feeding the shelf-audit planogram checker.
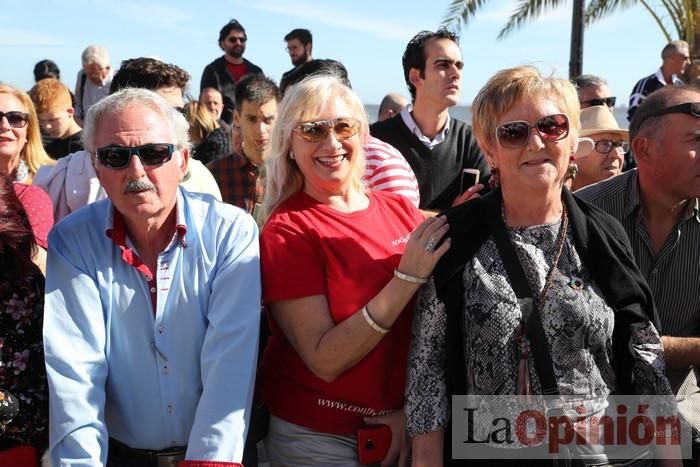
(676, 59)
(658, 205)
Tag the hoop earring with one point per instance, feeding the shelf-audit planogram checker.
(291, 155)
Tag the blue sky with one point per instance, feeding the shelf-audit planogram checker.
(367, 36)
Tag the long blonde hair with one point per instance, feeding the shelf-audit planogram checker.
(301, 102)
(33, 152)
(201, 121)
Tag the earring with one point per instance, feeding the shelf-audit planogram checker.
(572, 170)
(291, 155)
(495, 178)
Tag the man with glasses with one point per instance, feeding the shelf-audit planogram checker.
(436, 146)
(658, 204)
(151, 338)
(676, 60)
(593, 90)
(299, 45)
(224, 72)
(72, 182)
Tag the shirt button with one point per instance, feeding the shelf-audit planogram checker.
(153, 290)
(161, 329)
(654, 271)
(170, 408)
(165, 370)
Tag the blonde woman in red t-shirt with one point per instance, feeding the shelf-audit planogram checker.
(340, 265)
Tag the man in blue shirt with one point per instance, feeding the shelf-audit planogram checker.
(152, 304)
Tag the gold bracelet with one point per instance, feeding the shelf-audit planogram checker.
(372, 323)
(411, 279)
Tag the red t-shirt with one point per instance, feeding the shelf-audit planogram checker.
(39, 209)
(308, 248)
(238, 71)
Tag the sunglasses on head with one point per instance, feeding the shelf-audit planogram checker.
(516, 134)
(609, 101)
(688, 108)
(604, 146)
(15, 119)
(118, 157)
(316, 132)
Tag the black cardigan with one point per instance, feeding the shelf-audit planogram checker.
(604, 249)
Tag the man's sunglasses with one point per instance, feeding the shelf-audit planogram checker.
(236, 39)
(118, 157)
(316, 132)
(688, 108)
(514, 135)
(15, 119)
(609, 101)
(604, 146)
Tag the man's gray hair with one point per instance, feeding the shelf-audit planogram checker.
(95, 54)
(674, 48)
(584, 81)
(127, 97)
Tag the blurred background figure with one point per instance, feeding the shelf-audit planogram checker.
(610, 145)
(93, 80)
(54, 109)
(46, 69)
(21, 148)
(593, 90)
(392, 104)
(299, 45)
(212, 99)
(210, 141)
(22, 373)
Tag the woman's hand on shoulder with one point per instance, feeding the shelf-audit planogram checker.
(422, 251)
(400, 447)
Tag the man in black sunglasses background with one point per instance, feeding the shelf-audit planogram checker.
(72, 182)
(224, 72)
(658, 204)
(593, 90)
(675, 58)
(153, 304)
(436, 146)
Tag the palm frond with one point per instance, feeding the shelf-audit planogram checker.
(525, 11)
(460, 12)
(599, 9)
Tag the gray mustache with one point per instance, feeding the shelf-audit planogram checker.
(139, 185)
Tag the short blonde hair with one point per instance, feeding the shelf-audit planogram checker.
(33, 152)
(201, 121)
(50, 94)
(511, 86)
(301, 103)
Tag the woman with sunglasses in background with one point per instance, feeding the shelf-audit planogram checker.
(340, 265)
(21, 149)
(610, 145)
(538, 294)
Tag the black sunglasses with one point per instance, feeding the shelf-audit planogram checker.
(609, 101)
(688, 108)
(15, 119)
(118, 157)
(513, 135)
(235, 39)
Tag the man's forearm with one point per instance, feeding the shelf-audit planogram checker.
(681, 352)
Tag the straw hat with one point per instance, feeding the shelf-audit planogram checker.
(599, 119)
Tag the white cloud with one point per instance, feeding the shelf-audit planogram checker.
(336, 17)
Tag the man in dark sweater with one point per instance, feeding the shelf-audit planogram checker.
(224, 72)
(436, 146)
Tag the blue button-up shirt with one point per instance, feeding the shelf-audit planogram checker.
(183, 377)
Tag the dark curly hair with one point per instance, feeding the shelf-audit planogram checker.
(148, 73)
(17, 244)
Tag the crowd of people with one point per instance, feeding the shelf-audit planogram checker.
(264, 271)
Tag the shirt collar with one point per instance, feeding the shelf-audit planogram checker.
(660, 76)
(115, 227)
(413, 127)
(239, 161)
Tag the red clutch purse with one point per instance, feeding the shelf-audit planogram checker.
(373, 444)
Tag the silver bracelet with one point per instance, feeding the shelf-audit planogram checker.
(372, 323)
(411, 279)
